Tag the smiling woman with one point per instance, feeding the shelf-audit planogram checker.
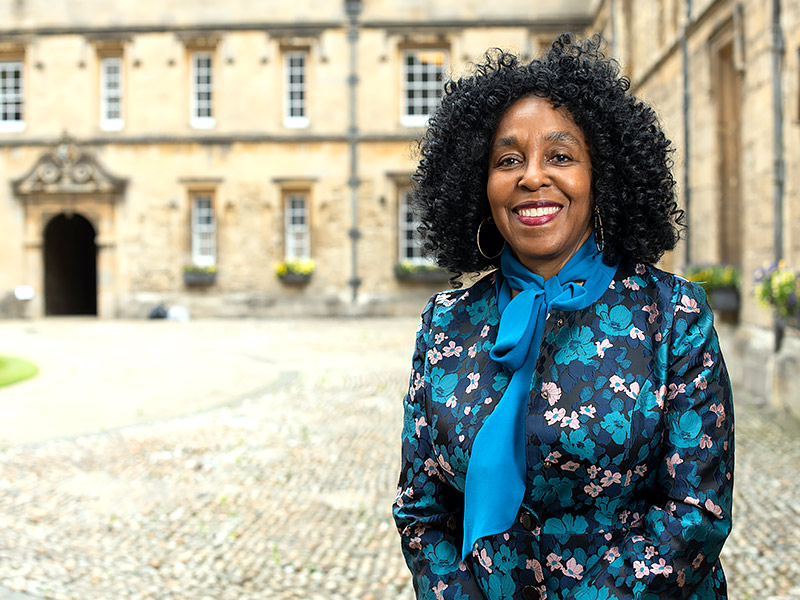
(568, 431)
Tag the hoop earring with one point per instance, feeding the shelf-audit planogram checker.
(599, 235)
(478, 241)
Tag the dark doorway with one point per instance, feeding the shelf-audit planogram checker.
(70, 266)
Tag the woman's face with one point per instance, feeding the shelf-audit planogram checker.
(540, 184)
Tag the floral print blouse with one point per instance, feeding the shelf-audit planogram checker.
(629, 447)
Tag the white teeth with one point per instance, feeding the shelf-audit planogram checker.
(538, 212)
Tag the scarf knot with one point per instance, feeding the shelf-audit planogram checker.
(495, 482)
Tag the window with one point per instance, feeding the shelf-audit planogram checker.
(423, 85)
(298, 239)
(11, 97)
(111, 93)
(410, 247)
(202, 90)
(204, 230)
(295, 114)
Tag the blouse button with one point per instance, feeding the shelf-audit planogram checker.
(560, 322)
(530, 592)
(527, 520)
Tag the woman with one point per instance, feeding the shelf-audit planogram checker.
(568, 427)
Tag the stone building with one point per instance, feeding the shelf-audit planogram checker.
(142, 150)
(724, 76)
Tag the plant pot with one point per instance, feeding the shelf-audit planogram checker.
(199, 278)
(793, 321)
(295, 278)
(425, 275)
(724, 299)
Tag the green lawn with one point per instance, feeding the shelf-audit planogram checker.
(15, 369)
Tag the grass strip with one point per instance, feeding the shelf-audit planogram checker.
(13, 370)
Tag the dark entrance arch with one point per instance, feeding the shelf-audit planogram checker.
(70, 266)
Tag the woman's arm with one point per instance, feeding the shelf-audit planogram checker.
(674, 552)
(428, 511)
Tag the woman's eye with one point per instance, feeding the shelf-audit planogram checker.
(560, 158)
(508, 161)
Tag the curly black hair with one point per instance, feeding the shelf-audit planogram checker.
(632, 181)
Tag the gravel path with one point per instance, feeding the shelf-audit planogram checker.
(286, 494)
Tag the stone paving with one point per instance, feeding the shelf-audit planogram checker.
(286, 493)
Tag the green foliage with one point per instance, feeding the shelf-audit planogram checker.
(714, 277)
(210, 270)
(778, 287)
(406, 267)
(15, 369)
(299, 266)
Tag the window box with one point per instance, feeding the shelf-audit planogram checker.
(295, 278)
(199, 276)
(405, 271)
(721, 283)
(724, 299)
(778, 287)
(295, 271)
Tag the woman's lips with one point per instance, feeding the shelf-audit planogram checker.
(532, 214)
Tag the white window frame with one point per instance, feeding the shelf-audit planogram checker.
(199, 105)
(204, 229)
(418, 109)
(291, 103)
(10, 95)
(111, 89)
(408, 237)
(292, 230)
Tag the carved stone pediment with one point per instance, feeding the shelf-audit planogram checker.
(68, 169)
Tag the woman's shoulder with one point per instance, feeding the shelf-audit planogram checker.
(665, 286)
(473, 303)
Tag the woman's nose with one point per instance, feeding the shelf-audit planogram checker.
(534, 176)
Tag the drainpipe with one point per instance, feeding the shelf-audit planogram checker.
(687, 98)
(778, 49)
(353, 9)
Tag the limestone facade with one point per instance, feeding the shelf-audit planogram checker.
(178, 122)
(735, 167)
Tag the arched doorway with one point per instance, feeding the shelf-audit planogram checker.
(70, 266)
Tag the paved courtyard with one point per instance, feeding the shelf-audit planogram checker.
(258, 460)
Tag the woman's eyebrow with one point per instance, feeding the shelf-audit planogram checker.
(510, 140)
(562, 136)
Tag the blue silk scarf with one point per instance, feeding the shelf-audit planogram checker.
(495, 482)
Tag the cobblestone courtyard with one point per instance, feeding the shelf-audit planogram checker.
(286, 493)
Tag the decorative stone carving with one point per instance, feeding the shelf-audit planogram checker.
(68, 169)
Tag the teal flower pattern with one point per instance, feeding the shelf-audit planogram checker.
(629, 447)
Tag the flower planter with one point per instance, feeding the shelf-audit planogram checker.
(295, 278)
(199, 278)
(725, 299)
(792, 321)
(424, 275)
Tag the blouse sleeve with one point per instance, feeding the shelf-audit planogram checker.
(428, 511)
(674, 553)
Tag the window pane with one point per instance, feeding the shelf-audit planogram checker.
(424, 76)
(11, 100)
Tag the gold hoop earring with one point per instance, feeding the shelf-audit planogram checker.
(599, 235)
(478, 241)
